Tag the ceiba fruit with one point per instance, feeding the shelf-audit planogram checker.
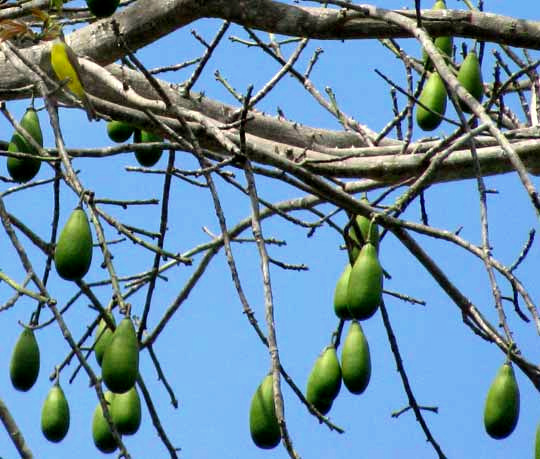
(119, 131)
(263, 423)
(368, 231)
(120, 365)
(324, 381)
(73, 253)
(126, 411)
(433, 96)
(340, 294)
(501, 412)
(364, 292)
(470, 77)
(444, 44)
(102, 8)
(150, 157)
(24, 365)
(25, 169)
(101, 433)
(55, 415)
(355, 360)
(103, 338)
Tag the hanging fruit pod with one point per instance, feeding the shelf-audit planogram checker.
(470, 77)
(432, 97)
(263, 423)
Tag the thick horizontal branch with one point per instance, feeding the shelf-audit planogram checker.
(141, 24)
(383, 164)
(292, 20)
(318, 150)
(395, 169)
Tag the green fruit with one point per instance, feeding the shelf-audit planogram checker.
(537, 443)
(433, 96)
(103, 338)
(101, 433)
(470, 77)
(73, 254)
(340, 294)
(149, 157)
(324, 381)
(119, 131)
(365, 228)
(25, 169)
(102, 8)
(126, 411)
(355, 360)
(501, 412)
(263, 423)
(444, 44)
(120, 365)
(364, 292)
(55, 415)
(24, 365)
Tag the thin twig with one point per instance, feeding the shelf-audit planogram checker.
(405, 380)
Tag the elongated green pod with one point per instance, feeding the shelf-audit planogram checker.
(73, 253)
(55, 415)
(340, 294)
(101, 433)
(102, 339)
(126, 411)
(263, 423)
(24, 365)
(120, 365)
(355, 360)
(324, 381)
(149, 157)
(470, 77)
(364, 292)
(25, 169)
(433, 96)
(501, 412)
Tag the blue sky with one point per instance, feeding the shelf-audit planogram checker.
(210, 354)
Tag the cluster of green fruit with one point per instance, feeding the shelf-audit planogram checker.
(117, 352)
(25, 169)
(357, 296)
(358, 291)
(73, 255)
(24, 371)
(324, 382)
(433, 96)
(120, 131)
(323, 386)
(118, 355)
